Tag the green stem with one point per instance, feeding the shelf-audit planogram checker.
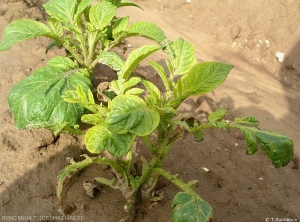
(128, 160)
(117, 167)
(84, 48)
(166, 136)
(94, 63)
(91, 54)
(154, 162)
(178, 182)
(201, 127)
(111, 183)
(149, 144)
(166, 150)
(75, 55)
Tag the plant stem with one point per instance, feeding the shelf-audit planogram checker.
(89, 60)
(154, 162)
(111, 183)
(149, 144)
(117, 167)
(74, 54)
(201, 127)
(178, 182)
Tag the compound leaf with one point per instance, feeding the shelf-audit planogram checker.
(99, 138)
(21, 30)
(148, 30)
(36, 101)
(279, 148)
(62, 10)
(101, 14)
(185, 56)
(129, 113)
(135, 57)
(187, 208)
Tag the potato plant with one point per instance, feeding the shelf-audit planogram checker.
(60, 96)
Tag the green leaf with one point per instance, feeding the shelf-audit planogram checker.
(162, 74)
(93, 37)
(99, 138)
(217, 115)
(120, 26)
(63, 62)
(251, 141)
(179, 89)
(185, 56)
(182, 124)
(187, 208)
(130, 114)
(111, 59)
(201, 79)
(247, 120)
(128, 3)
(72, 28)
(169, 49)
(279, 148)
(93, 119)
(21, 30)
(52, 44)
(134, 91)
(148, 30)
(86, 100)
(135, 57)
(81, 7)
(221, 125)
(169, 65)
(101, 14)
(205, 77)
(56, 26)
(115, 2)
(152, 90)
(131, 82)
(36, 101)
(62, 10)
(199, 135)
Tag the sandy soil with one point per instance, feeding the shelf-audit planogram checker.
(245, 188)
